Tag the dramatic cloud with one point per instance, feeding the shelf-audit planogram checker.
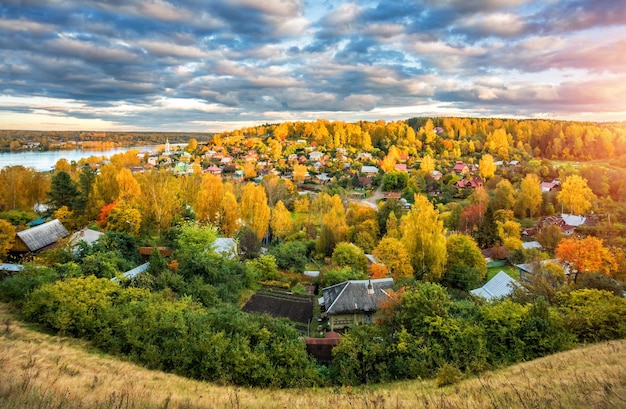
(221, 64)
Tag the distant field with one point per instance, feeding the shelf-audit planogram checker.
(43, 371)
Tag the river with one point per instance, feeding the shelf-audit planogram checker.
(45, 161)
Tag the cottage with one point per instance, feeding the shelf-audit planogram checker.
(36, 238)
(315, 156)
(548, 187)
(369, 170)
(499, 286)
(354, 302)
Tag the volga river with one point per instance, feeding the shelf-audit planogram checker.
(45, 161)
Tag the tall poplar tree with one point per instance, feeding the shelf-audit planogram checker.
(424, 237)
(255, 211)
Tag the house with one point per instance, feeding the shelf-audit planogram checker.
(86, 235)
(499, 286)
(322, 178)
(460, 168)
(528, 269)
(354, 302)
(315, 156)
(369, 170)
(548, 187)
(36, 238)
(214, 170)
(401, 167)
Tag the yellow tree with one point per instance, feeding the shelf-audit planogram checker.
(255, 211)
(249, 170)
(299, 173)
(427, 165)
(529, 199)
(509, 233)
(575, 195)
(209, 199)
(281, 222)
(105, 189)
(424, 237)
(128, 186)
(124, 218)
(230, 220)
(160, 202)
(486, 166)
(392, 253)
(7, 237)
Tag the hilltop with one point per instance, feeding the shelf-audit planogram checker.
(44, 371)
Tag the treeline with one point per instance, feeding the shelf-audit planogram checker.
(47, 140)
(506, 139)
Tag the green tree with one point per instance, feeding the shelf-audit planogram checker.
(504, 195)
(424, 237)
(63, 191)
(348, 255)
(466, 266)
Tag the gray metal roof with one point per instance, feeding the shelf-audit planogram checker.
(500, 285)
(43, 235)
(130, 274)
(353, 296)
(13, 268)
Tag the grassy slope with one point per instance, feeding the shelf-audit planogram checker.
(43, 371)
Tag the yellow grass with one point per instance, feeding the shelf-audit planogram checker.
(43, 371)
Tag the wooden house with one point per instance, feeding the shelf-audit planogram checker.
(354, 302)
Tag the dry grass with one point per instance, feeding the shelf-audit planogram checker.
(42, 371)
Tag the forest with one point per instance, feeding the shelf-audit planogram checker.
(424, 196)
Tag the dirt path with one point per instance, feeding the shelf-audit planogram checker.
(377, 195)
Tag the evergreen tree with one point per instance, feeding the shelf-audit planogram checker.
(63, 191)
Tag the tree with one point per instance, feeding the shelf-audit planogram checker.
(392, 253)
(549, 237)
(299, 173)
(348, 255)
(63, 191)
(466, 266)
(160, 203)
(124, 218)
(7, 237)
(509, 234)
(586, 255)
(229, 223)
(129, 189)
(425, 239)
(86, 180)
(504, 195)
(427, 165)
(395, 180)
(255, 211)
(209, 200)
(486, 166)
(575, 195)
(281, 223)
(529, 199)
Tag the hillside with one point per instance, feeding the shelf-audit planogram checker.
(43, 371)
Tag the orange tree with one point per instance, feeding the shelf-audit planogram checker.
(586, 255)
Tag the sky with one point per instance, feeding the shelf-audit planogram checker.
(216, 65)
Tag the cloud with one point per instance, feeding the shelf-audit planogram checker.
(185, 64)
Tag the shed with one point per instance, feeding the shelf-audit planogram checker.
(43, 235)
(225, 246)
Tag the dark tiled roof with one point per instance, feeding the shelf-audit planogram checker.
(353, 296)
